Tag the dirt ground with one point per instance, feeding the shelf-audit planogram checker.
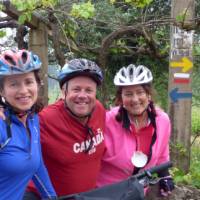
(180, 193)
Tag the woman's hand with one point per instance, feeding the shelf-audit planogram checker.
(166, 185)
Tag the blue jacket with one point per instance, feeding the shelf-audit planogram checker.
(21, 160)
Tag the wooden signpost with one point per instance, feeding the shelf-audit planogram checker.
(180, 90)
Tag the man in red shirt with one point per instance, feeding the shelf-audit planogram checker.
(72, 131)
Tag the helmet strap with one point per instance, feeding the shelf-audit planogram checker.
(141, 114)
(19, 114)
(22, 114)
(139, 119)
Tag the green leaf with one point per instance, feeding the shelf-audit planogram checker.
(83, 10)
(1, 6)
(2, 33)
(49, 3)
(139, 3)
(180, 18)
(112, 1)
(22, 18)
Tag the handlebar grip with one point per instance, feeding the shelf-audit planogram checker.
(153, 170)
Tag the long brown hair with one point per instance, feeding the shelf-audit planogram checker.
(39, 105)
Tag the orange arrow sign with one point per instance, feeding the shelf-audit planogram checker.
(185, 64)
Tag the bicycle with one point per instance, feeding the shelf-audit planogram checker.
(129, 189)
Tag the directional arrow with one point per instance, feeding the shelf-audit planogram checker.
(185, 64)
(175, 96)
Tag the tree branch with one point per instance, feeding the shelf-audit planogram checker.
(9, 24)
(21, 33)
(7, 18)
(55, 35)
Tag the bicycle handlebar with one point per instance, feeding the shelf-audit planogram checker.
(103, 195)
(153, 170)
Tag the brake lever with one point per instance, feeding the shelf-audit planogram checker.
(154, 181)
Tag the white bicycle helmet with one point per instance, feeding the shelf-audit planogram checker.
(133, 75)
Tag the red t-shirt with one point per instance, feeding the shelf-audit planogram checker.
(63, 142)
(143, 138)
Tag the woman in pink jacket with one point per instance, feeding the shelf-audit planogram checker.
(137, 133)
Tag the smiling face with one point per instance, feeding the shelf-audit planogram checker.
(20, 91)
(135, 99)
(81, 95)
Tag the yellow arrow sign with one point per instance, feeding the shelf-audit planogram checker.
(185, 63)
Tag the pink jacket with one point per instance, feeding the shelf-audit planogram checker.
(120, 145)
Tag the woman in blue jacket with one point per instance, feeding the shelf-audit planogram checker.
(20, 151)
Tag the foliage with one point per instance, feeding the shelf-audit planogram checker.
(2, 34)
(178, 147)
(88, 22)
(195, 120)
(27, 7)
(79, 10)
(83, 10)
(195, 82)
(111, 89)
(91, 32)
(137, 3)
(1, 7)
(193, 176)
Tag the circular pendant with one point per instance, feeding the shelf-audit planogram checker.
(139, 159)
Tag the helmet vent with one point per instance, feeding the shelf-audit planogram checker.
(140, 72)
(131, 72)
(123, 74)
(24, 57)
(10, 60)
(35, 58)
(82, 64)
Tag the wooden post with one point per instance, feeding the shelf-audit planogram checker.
(180, 91)
(38, 43)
